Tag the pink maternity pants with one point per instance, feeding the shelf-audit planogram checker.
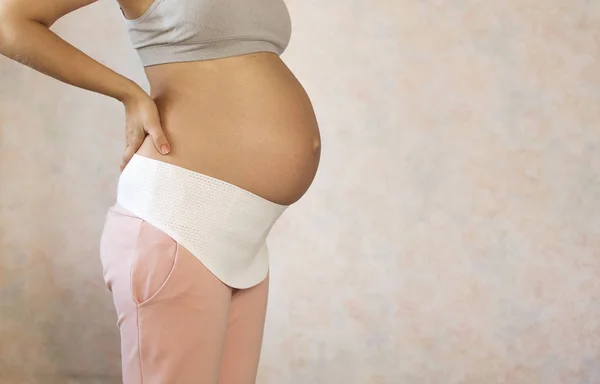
(179, 324)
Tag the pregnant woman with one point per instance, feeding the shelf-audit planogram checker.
(224, 143)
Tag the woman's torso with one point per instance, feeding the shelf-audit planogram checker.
(243, 119)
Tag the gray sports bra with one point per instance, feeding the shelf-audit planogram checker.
(191, 30)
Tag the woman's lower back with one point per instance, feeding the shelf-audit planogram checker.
(245, 120)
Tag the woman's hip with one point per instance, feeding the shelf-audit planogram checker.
(221, 224)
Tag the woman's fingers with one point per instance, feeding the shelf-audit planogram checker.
(141, 119)
(135, 139)
(129, 152)
(158, 137)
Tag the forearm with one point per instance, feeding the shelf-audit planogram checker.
(35, 45)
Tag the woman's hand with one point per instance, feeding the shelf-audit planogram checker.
(25, 36)
(141, 119)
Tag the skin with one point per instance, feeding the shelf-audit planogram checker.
(244, 119)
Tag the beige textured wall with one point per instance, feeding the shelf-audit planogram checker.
(452, 234)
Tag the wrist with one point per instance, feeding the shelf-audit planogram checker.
(130, 91)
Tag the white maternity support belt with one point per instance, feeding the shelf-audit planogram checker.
(223, 225)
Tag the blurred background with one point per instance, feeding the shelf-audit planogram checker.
(452, 234)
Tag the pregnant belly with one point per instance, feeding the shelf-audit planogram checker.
(245, 120)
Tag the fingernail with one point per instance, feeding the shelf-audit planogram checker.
(164, 149)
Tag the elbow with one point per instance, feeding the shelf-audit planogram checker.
(3, 33)
(12, 31)
(7, 29)
(11, 24)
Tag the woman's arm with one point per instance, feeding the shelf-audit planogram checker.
(25, 37)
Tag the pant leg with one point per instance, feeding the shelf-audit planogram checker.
(244, 337)
(172, 312)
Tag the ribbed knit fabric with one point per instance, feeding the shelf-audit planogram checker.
(191, 30)
(221, 224)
